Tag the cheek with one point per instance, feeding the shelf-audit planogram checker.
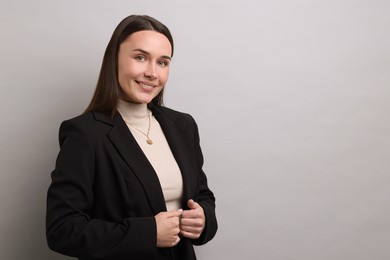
(129, 67)
(122, 74)
(164, 77)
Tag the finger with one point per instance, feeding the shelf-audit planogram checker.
(190, 235)
(173, 213)
(170, 242)
(177, 241)
(191, 222)
(192, 213)
(192, 204)
(193, 227)
(191, 231)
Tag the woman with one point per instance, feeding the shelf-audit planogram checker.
(128, 182)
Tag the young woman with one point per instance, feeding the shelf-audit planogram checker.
(128, 182)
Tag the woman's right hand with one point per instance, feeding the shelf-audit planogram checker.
(168, 228)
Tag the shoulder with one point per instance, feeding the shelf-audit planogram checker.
(89, 118)
(172, 115)
(80, 119)
(90, 123)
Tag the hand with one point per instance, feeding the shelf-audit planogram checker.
(193, 221)
(168, 228)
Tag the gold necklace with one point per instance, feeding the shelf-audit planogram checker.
(148, 140)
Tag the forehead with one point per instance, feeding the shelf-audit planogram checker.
(150, 41)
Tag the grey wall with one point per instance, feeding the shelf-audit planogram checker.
(292, 100)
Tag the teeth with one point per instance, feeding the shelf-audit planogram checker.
(146, 86)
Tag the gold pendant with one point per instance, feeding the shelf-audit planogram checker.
(149, 141)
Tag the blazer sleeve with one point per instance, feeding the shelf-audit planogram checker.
(205, 197)
(70, 229)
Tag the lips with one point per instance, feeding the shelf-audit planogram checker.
(145, 85)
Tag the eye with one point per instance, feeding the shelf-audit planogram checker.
(140, 58)
(163, 63)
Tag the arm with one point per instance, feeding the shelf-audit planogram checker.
(206, 224)
(70, 229)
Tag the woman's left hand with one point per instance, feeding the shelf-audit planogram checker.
(192, 221)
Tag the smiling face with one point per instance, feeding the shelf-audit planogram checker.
(143, 66)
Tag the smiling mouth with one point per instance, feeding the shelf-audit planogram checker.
(145, 86)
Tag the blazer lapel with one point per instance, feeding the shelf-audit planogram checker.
(128, 148)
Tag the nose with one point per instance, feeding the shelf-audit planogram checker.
(150, 72)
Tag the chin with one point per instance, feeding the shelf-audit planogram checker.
(139, 99)
(146, 100)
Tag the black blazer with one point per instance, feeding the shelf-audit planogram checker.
(104, 192)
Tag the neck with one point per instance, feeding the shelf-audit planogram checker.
(132, 111)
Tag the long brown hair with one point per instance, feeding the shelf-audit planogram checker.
(106, 96)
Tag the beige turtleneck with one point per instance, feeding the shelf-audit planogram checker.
(159, 153)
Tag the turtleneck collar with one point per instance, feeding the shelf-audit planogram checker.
(132, 112)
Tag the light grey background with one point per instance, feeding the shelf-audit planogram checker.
(292, 100)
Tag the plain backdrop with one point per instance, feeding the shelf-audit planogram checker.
(292, 99)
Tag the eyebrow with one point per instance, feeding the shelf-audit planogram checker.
(148, 53)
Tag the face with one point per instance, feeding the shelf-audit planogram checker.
(143, 66)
